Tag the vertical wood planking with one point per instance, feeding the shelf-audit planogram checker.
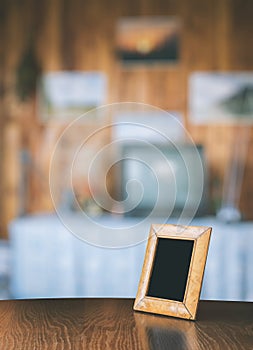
(216, 35)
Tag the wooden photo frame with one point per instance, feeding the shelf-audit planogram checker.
(173, 270)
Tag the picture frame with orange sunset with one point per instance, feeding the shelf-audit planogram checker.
(148, 39)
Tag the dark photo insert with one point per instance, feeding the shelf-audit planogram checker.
(170, 269)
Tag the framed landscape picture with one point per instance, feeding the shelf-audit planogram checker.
(64, 95)
(148, 39)
(221, 97)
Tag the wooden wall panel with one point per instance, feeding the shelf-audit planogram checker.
(216, 35)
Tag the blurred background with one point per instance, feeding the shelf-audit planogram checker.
(193, 59)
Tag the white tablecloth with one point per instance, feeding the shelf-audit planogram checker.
(49, 261)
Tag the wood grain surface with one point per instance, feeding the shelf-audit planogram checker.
(112, 324)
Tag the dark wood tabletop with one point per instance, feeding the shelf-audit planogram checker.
(112, 324)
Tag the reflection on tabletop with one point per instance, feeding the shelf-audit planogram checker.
(157, 332)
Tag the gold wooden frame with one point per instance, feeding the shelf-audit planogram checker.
(188, 308)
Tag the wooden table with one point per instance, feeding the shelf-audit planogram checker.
(112, 324)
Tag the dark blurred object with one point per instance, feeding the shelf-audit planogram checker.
(173, 180)
(27, 73)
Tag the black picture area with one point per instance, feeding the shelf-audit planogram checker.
(170, 269)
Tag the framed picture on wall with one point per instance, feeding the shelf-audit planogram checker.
(148, 39)
(65, 95)
(221, 97)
